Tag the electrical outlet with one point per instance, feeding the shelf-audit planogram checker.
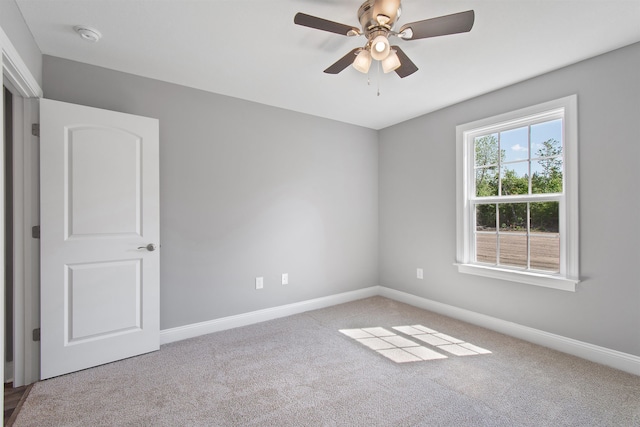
(419, 273)
(285, 278)
(259, 282)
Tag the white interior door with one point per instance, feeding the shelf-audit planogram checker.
(100, 261)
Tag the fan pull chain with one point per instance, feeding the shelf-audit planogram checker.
(378, 77)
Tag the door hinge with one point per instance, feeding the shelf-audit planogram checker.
(35, 129)
(36, 334)
(35, 231)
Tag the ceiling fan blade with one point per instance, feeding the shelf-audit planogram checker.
(343, 62)
(325, 25)
(441, 26)
(407, 67)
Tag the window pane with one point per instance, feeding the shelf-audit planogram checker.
(515, 144)
(546, 175)
(545, 240)
(486, 246)
(485, 217)
(513, 249)
(541, 136)
(545, 251)
(545, 217)
(513, 217)
(487, 182)
(514, 179)
(486, 149)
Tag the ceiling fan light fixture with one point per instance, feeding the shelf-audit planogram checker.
(391, 62)
(362, 61)
(377, 21)
(380, 47)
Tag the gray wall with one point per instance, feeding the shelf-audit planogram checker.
(16, 29)
(246, 190)
(418, 207)
(251, 190)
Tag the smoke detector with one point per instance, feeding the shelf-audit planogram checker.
(87, 33)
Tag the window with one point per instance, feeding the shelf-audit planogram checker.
(517, 186)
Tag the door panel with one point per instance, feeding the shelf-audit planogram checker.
(99, 211)
(93, 155)
(102, 299)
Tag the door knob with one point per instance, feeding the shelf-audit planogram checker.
(150, 247)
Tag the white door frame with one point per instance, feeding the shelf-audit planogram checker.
(26, 250)
(18, 297)
(16, 72)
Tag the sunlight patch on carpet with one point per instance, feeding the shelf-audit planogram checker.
(402, 350)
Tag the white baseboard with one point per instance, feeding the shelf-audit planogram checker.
(615, 359)
(224, 323)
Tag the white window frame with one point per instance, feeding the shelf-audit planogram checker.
(568, 276)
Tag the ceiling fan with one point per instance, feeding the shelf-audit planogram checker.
(377, 18)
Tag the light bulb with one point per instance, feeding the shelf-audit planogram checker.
(391, 62)
(380, 48)
(362, 61)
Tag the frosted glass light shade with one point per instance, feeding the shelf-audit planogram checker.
(391, 62)
(380, 48)
(362, 61)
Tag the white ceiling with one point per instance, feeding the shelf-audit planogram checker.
(251, 49)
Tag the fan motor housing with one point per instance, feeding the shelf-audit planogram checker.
(375, 15)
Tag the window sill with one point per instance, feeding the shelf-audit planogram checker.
(546, 280)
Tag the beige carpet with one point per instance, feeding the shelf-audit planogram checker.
(302, 371)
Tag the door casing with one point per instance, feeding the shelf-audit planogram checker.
(26, 249)
(16, 73)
